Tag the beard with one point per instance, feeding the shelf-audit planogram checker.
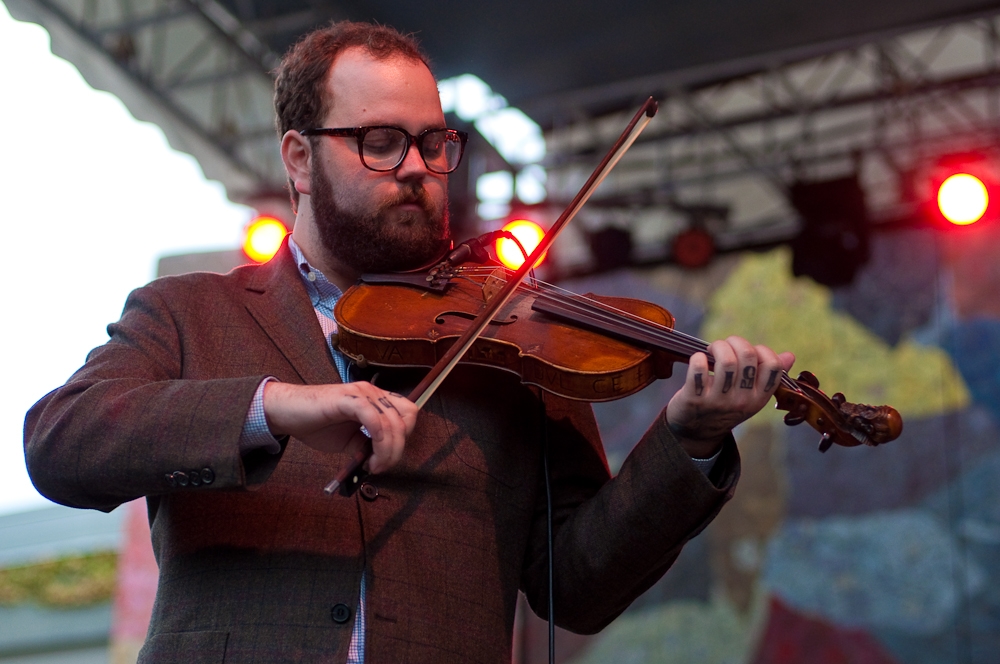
(371, 242)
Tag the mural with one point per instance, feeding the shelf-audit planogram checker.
(888, 555)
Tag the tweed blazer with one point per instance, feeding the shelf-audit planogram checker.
(258, 565)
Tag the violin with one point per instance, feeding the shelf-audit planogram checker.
(581, 347)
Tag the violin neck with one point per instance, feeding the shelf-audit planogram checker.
(594, 315)
(619, 324)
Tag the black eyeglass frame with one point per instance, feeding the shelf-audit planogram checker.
(359, 134)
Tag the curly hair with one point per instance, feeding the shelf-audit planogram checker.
(300, 98)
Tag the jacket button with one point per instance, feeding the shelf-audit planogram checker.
(341, 613)
(194, 477)
(207, 476)
(181, 478)
(369, 491)
(171, 481)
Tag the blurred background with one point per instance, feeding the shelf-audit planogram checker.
(821, 177)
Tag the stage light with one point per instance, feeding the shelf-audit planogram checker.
(529, 234)
(693, 248)
(263, 237)
(962, 199)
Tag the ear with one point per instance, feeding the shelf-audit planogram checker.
(296, 153)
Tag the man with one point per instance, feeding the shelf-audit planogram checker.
(219, 399)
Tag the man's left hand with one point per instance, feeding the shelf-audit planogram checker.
(709, 405)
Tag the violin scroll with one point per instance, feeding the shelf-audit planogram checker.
(839, 420)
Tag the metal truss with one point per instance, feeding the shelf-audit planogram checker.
(884, 108)
(199, 64)
(880, 105)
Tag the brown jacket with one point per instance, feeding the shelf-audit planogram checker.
(258, 565)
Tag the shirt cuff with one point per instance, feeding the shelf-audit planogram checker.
(706, 465)
(256, 434)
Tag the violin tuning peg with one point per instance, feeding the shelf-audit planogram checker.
(808, 378)
(839, 399)
(825, 442)
(791, 419)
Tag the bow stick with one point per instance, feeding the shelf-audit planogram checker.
(353, 474)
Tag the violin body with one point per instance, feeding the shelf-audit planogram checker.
(589, 347)
(401, 322)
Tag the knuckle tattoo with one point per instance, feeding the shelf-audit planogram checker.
(728, 384)
(749, 376)
(771, 379)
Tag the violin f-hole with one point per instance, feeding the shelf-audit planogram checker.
(439, 319)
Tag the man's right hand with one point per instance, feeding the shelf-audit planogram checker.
(329, 418)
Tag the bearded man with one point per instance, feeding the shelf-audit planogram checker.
(221, 399)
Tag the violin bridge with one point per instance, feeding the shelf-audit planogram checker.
(494, 284)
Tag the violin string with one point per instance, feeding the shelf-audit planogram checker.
(607, 314)
(624, 322)
(671, 333)
(666, 333)
(673, 339)
(613, 316)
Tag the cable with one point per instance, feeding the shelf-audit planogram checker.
(548, 520)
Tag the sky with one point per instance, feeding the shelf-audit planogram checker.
(90, 199)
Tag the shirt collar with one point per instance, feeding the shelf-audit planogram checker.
(323, 292)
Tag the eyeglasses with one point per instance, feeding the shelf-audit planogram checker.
(383, 148)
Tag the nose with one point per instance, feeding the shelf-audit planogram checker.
(412, 166)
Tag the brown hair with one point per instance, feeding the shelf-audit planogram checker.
(300, 100)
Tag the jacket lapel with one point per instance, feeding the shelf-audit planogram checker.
(278, 302)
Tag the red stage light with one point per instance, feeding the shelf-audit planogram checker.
(693, 248)
(263, 238)
(962, 198)
(529, 234)
(956, 189)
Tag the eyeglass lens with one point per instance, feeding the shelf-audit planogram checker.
(383, 149)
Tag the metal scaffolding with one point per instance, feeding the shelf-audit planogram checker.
(885, 108)
(187, 65)
(730, 136)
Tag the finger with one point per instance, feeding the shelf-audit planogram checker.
(787, 360)
(361, 405)
(358, 447)
(395, 430)
(725, 368)
(747, 362)
(769, 370)
(698, 378)
(396, 418)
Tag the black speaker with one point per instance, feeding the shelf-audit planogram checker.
(611, 248)
(833, 243)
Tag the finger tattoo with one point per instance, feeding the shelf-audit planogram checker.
(699, 385)
(380, 412)
(728, 385)
(749, 374)
(771, 379)
(385, 402)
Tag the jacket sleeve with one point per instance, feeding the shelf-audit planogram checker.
(128, 421)
(614, 538)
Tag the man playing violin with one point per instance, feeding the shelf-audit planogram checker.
(221, 399)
